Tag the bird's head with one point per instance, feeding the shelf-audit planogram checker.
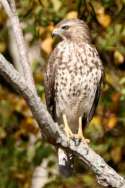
(72, 29)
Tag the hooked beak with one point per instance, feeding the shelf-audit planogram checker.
(56, 32)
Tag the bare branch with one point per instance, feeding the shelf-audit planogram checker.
(23, 82)
(24, 67)
(106, 176)
(12, 5)
(38, 109)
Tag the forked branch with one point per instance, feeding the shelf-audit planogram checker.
(23, 82)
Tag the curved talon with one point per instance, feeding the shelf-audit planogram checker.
(81, 139)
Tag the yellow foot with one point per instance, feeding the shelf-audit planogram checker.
(66, 127)
(69, 133)
(80, 133)
(83, 139)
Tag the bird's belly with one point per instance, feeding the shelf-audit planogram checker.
(74, 98)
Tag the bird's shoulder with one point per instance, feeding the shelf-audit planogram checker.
(93, 57)
(69, 52)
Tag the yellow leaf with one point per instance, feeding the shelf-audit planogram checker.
(112, 121)
(96, 120)
(71, 14)
(109, 78)
(47, 44)
(104, 19)
(119, 58)
(56, 4)
(29, 126)
(29, 120)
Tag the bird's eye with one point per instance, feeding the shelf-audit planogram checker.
(65, 27)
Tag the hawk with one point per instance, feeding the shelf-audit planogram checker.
(73, 79)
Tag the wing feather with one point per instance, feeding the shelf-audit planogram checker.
(95, 102)
(97, 96)
(49, 80)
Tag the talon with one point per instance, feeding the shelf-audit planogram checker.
(69, 133)
(80, 133)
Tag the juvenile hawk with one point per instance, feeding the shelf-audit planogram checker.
(73, 77)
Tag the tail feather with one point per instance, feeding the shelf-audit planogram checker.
(66, 164)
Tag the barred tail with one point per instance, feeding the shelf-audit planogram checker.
(66, 163)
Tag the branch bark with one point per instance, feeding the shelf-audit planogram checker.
(22, 80)
(106, 176)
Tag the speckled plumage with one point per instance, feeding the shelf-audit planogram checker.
(73, 79)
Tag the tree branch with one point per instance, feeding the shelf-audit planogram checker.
(106, 176)
(24, 66)
(22, 80)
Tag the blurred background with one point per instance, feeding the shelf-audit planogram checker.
(24, 158)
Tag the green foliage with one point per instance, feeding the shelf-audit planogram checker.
(21, 149)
